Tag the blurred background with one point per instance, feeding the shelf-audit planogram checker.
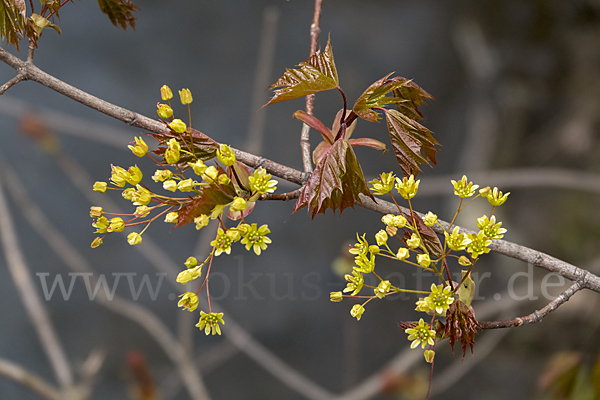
(517, 105)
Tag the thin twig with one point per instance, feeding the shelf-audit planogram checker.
(11, 83)
(315, 30)
(29, 380)
(30, 297)
(503, 247)
(153, 254)
(536, 316)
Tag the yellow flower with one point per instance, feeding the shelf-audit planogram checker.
(165, 93)
(186, 96)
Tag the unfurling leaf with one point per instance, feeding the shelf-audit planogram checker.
(460, 325)
(335, 183)
(376, 96)
(315, 75)
(409, 139)
(204, 147)
(54, 5)
(429, 237)
(213, 195)
(466, 291)
(119, 12)
(12, 21)
(41, 23)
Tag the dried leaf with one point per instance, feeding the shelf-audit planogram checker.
(335, 183)
(409, 140)
(119, 12)
(315, 75)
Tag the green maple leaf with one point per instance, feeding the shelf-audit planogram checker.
(12, 21)
(119, 12)
(335, 183)
(316, 74)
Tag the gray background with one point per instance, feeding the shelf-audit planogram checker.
(516, 86)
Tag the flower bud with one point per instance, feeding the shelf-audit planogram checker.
(171, 218)
(191, 262)
(430, 219)
(162, 175)
(96, 242)
(96, 212)
(134, 238)
(116, 225)
(223, 179)
(201, 221)
(381, 237)
(186, 96)
(170, 185)
(336, 297)
(165, 93)
(464, 261)
(238, 204)
(403, 253)
(210, 174)
(142, 211)
(178, 126)
(100, 187)
(164, 111)
(186, 185)
(198, 167)
(429, 355)
(424, 260)
(414, 241)
(357, 311)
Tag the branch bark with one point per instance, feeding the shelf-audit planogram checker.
(539, 259)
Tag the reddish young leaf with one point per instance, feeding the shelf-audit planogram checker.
(316, 124)
(335, 183)
(430, 239)
(409, 139)
(204, 147)
(376, 96)
(315, 75)
(119, 12)
(413, 96)
(211, 196)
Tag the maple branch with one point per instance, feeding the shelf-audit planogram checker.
(29, 380)
(536, 316)
(513, 250)
(315, 30)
